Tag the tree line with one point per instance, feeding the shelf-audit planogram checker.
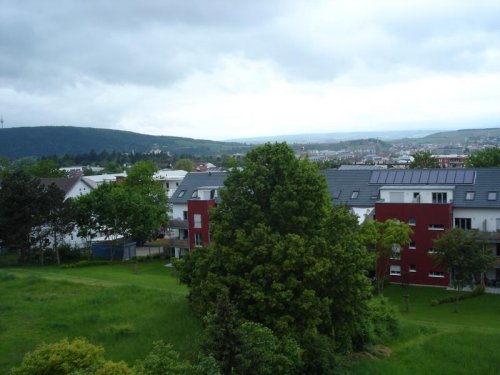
(35, 217)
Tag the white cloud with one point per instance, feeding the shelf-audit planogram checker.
(261, 68)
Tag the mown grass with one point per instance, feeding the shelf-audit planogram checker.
(117, 306)
(125, 309)
(435, 340)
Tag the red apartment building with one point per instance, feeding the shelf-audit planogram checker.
(429, 200)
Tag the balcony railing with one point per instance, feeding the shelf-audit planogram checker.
(179, 224)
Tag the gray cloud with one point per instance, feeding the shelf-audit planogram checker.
(61, 58)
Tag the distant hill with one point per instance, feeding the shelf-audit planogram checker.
(60, 140)
(317, 138)
(462, 136)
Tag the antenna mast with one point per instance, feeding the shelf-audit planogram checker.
(1, 121)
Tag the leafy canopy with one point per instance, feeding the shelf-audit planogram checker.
(286, 257)
(489, 157)
(424, 159)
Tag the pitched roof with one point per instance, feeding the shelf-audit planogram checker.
(195, 180)
(481, 181)
(63, 183)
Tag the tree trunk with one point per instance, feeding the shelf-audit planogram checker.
(56, 248)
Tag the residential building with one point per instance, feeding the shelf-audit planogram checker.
(451, 161)
(191, 204)
(429, 200)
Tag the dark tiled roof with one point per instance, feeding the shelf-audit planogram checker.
(342, 184)
(195, 180)
(63, 183)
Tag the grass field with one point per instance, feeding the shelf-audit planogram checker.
(434, 340)
(125, 311)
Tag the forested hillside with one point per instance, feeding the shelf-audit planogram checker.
(61, 140)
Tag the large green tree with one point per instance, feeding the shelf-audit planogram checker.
(287, 258)
(386, 238)
(424, 159)
(60, 219)
(135, 208)
(489, 157)
(464, 254)
(23, 211)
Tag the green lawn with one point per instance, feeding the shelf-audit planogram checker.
(434, 340)
(121, 308)
(125, 310)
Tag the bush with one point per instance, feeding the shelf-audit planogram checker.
(60, 358)
(78, 357)
(383, 321)
(86, 263)
(163, 359)
(478, 290)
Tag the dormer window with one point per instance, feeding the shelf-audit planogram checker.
(492, 195)
(469, 196)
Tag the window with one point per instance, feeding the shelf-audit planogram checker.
(439, 197)
(412, 245)
(436, 227)
(412, 221)
(336, 194)
(197, 239)
(436, 274)
(195, 194)
(498, 225)
(413, 268)
(395, 251)
(184, 215)
(492, 195)
(355, 194)
(469, 196)
(463, 222)
(395, 270)
(197, 220)
(431, 250)
(396, 197)
(498, 249)
(181, 193)
(167, 185)
(375, 194)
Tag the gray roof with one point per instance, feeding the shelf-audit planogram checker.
(194, 181)
(341, 184)
(63, 183)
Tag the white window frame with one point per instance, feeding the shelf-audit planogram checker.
(436, 274)
(197, 239)
(395, 270)
(197, 221)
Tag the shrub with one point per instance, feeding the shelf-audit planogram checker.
(478, 290)
(383, 321)
(78, 357)
(163, 359)
(60, 358)
(86, 263)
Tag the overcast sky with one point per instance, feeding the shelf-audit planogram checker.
(220, 69)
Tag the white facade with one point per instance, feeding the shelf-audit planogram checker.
(171, 179)
(483, 219)
(417, 194)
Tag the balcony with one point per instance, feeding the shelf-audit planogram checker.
(178, 224)
(181, 243)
